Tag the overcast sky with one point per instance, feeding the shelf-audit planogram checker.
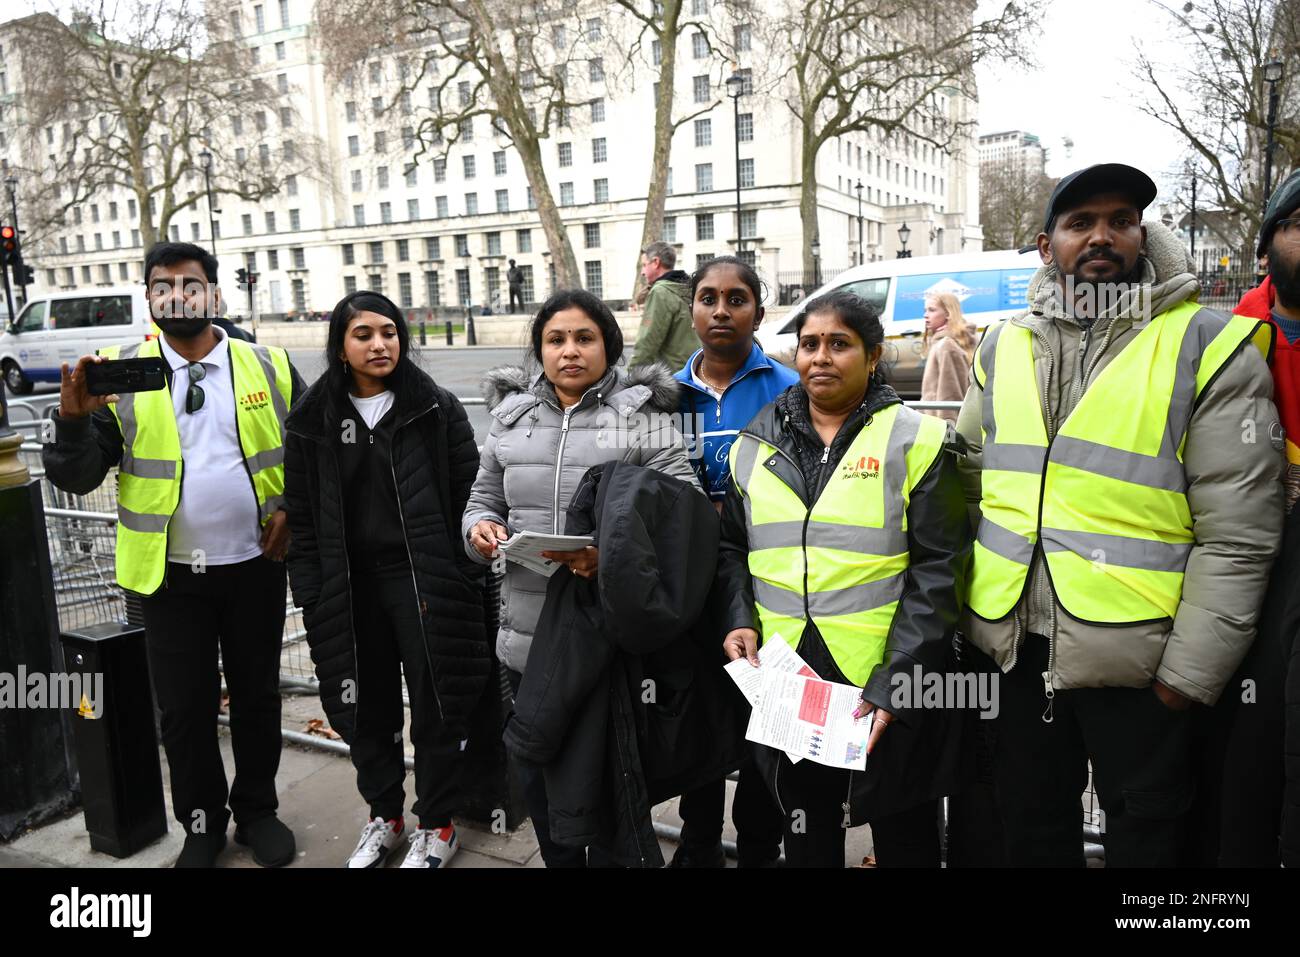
(1083, 87)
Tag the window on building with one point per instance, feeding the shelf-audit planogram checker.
(499, 163)
(566, 154)
(493, 244)
(441, 209)
(403, 250)
(439, 170)
(349, 111)
(432, 247)
(595, 284)
(746, 173)
(593, 29)
(524, 240)
(462, 287)
(600, 190)
(596, 70)
(280, 50)
(259, 15)
(700, 89)
(381, 141)
(746, 81)
(492, 283)
(246, 221)
(411, 175)
(704, 226)
(462, 244)
(703, 177)
(273, 259)
(381, 177)
(385, 212)
(356, 181)
(591, 235)
(471, 204)
(354, 146)
(469, 166)
(599, 150)
(284, 13)
(349, 254)
(295, 219)
(404, 290)
(282, 82)
(700, 8)
(531, 199)
(412, 209)
(466, 130)
(656, 52)
(299, 257)
(503, 200)
(408, 138)
(376, 251)
(432, 289)
(745, 128)
(349, 284)
(358, 215)
(598, 111)
(566, 194)
(699, 46)
(670, 229)
(742, 37)
(748, 223)
(291, 185)
(376, 283)
(704, 132)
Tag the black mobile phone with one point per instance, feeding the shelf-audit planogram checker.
(115, 376)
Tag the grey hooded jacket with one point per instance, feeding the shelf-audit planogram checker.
(1233, 470)
(536, 454)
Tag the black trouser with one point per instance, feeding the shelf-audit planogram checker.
(240, 608)
(814, 795)
(1140, 768)
(390, 645)
(533, 779)
(516, 296)
(757, 819)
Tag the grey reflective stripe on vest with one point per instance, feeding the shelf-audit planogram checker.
(126, 419)
(989, 348)
(272, 505)
(268, 368)
(1204, 325)
(845, 538)
(1015, 458)
(141, 521)
(836, 602)
(1004, 542)
(1148, 470)
(907, 423)
(147, 468)
(1119, 550)
(265, 460)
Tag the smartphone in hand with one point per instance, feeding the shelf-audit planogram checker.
(115, 376)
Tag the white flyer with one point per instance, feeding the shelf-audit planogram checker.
(810, 718)
(525, 548)
(775, 655)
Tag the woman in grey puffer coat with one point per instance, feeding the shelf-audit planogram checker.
(548, 428)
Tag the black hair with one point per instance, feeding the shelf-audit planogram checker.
(596, 310)
(856, 313)
(748, 276)
(169, 254)
(337, 374)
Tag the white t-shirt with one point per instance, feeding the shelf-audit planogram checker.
(695, 378)
(374, 408)
(217, 517)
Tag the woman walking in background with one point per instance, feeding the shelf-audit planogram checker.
(948, 346)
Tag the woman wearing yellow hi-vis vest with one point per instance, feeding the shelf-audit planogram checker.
(844, 535)
(1122, 455)
(201, 536)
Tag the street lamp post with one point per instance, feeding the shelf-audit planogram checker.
(735, 87)
(858, 187)
(11, 182)
(205, 160)
(817, 261)
(904, 234)
(1272, 75)
(1193, 218)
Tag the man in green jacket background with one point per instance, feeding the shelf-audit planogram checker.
(666, 333)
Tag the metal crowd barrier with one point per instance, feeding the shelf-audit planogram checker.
(82, 537)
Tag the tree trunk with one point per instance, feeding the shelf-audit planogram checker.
(652, 227)
(808, 195)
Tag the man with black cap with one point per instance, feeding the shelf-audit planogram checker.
(1129, 510)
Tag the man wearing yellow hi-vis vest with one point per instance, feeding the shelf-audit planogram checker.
(1129, 512)
(201, 537)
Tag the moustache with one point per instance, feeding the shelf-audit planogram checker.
(1103, 256)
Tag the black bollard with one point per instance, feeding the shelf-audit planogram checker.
(423, 340)
(448, 326)
(470, 338)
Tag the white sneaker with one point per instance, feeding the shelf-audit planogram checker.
(378, 839)
(432, 848)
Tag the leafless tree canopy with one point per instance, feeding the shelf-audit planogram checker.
(1013, 197)
(1216, 98)
(128, 94)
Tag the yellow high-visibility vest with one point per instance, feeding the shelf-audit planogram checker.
(149, 476)
(1104, 499)
(843, 561)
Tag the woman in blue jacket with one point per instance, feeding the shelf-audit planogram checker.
(724, 385)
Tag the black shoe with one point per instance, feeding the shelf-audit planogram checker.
(201, 850)
(709, 855)
(759, 862)
(271, 842)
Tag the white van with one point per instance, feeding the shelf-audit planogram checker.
(990, 286)
(58, 327)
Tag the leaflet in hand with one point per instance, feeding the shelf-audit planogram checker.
(525, 548)
(810, 718)
(775, 655)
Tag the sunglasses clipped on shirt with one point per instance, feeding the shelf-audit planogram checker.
(195, 396)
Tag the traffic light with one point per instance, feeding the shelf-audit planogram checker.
(26, 275)
(241, 276)
(8, 243)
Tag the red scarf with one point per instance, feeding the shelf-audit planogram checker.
(1257, 303)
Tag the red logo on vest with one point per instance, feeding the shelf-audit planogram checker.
(866, 467)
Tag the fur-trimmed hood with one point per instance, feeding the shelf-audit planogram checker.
(516, 386)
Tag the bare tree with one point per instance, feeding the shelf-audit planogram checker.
(1013, 195)
(128, 94)
(660, 25)
(1215, 97)
(518, 64)
(849, 66)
